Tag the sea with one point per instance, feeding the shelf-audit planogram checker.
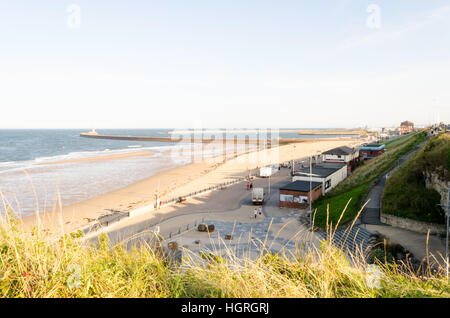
(28, 185)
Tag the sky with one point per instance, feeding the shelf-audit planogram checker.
(231, 64)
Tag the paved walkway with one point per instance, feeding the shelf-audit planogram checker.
(372, 212)
(415, 242)
(222, 201)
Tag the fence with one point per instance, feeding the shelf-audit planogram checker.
(117, 216)
(184, 229)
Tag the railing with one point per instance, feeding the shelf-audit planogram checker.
(184, 229)
(117, 216)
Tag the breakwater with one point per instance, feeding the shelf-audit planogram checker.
(193, 139)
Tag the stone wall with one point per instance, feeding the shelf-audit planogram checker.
(412, 225)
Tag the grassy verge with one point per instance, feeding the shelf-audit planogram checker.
(406, 194)
(337, 203)
(389, 144)
(358, 184)
(31, 266)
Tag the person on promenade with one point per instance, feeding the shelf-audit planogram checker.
(158, 203)
(260, 211)
(251, 186)
(255, 212)
(248, 186)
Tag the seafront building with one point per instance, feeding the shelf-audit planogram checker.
(296, 195)
(371, 150)
(329, 175)
(343, 155)
(406, 127)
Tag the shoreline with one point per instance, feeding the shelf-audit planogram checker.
(170, 183)
(99, 158)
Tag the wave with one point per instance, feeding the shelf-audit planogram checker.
(9, 166)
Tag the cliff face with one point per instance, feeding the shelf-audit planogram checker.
(436, 165)
(416, 188)
(434, 181)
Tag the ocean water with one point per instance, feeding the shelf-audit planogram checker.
(28, 186)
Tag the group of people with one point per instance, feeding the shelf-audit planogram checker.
(257, 211)
(249, 185)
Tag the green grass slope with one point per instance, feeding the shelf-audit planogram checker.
(358, 184)
(406, 195)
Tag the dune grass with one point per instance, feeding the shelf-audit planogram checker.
(33, 266)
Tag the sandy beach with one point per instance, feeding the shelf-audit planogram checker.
(173, 183)
(97, 158)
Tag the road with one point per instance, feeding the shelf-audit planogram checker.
(230, 199)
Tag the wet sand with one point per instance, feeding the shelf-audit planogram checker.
(173, 183)
(97, 158)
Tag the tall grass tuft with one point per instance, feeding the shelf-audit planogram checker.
(32, 265)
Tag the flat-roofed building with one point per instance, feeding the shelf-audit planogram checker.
(342, 155)
(371, 150)
(296, 194)
(327, 174)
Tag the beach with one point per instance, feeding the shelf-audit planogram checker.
(97, 158)
(172, 183)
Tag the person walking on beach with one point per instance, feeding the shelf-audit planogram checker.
(158, 203)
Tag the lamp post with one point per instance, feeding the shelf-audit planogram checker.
(310, 190)
(310, 187)
(447, 227)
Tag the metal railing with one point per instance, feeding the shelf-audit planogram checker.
(117, 216)
(184, 229)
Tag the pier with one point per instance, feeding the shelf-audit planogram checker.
(193, 139)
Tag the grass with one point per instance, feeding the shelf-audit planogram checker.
(33, 266)
(358, 184)
(337, 203)
(406, 194)
(389, 144)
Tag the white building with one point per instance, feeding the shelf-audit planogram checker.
(342, 155)
(328, 174)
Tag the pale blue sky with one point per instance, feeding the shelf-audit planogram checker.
(233, 63)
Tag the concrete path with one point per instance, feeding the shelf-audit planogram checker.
(415, 242)
(224, 201)
(372, 212)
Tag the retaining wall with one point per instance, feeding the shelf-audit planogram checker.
(413, 225)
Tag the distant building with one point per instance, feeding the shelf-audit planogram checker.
(371, 150)
(342, 155)
(406, 127)
(296, 194)
(327, 174)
